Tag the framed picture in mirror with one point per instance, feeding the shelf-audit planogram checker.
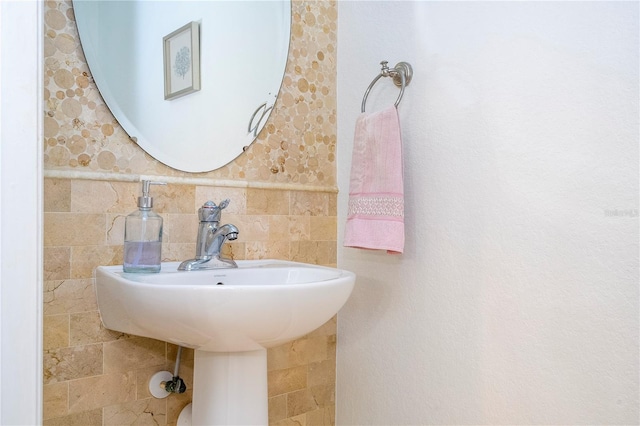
(182, 61)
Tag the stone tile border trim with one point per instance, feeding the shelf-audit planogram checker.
(185, 180)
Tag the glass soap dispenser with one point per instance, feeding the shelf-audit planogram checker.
(143, 235)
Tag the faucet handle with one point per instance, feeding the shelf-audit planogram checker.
(209, 212)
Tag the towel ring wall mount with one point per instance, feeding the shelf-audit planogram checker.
(401, 75)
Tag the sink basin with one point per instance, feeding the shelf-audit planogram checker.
(230, 317)
(262, 303)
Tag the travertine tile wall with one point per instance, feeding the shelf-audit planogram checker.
(284, 205)
(94, 375)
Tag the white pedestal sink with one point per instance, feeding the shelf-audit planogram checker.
(230, 317)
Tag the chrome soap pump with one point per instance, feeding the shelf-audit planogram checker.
(143, 235)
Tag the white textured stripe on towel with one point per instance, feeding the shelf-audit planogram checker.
(376, 206)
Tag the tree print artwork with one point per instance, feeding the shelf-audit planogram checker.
(182, 63)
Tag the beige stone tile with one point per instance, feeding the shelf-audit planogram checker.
(287, 380)
(324, 395)
(279, 227)
(237, 197)
(233, 250)
(180, 228)
(269, 202)
(89, 196)
(331, 347)
(333, 204)
(72, 363)
(268, 250)
(57, 263)
(314, 349)
(150, 411)
(85, 418)
(304, 251)
(133, 353)
(315, 252)
(285, 356)
(325, 416)
(322, 373)
(86, 328)
(74, 229)
(101, 391)
(143, 375)
(126, 196)
(57, 195)
(174, 252)
(310, 399)
(309, 203)
(105, 196)
(289, 228)
(115, 229)
(300, 402)
(324, 228)
(277, 408)
(278, 357)
(251, 228)
(69, 296)
(56, 331)
(328, 253)
(84, 259)
(55, 400)
(299, 352)
(173, 198)
(300, 420)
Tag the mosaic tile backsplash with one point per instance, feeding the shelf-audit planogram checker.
(298, 144)
(94, 376)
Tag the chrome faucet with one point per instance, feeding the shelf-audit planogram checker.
(210, 239)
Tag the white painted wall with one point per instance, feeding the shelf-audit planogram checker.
(516, 301)
(21, 139)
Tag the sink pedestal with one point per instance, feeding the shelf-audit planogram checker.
(230, 388)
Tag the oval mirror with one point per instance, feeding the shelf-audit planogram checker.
(193, 82)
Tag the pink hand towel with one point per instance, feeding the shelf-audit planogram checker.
(375, 219)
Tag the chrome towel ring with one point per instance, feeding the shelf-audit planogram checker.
(401, 75)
